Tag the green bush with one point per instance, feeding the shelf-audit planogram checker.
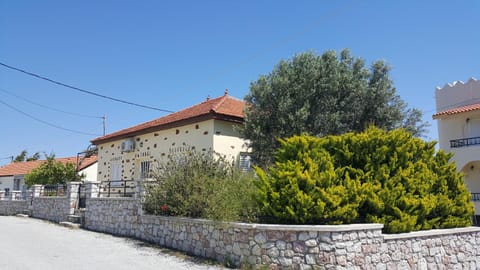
(200, 185)
(374, 176)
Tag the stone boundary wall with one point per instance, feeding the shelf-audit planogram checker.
(11, 207)
(118, 216)
(457, 248)
(51, 208)
(358, 246)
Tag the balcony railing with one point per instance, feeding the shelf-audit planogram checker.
(117, 188)
(464, 142)
(476, 197)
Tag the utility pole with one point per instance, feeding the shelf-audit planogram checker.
(104, 123)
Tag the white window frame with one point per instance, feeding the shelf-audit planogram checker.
(245, 162)
(145, 169)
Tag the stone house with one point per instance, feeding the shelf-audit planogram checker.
(458, 118)
(210, 126)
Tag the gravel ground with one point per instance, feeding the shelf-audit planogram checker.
(28, 243)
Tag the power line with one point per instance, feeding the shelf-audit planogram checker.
(83, 90)
(441, 109)
(341, 9)
(45, 122)
(47, 107)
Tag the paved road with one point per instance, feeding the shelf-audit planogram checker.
(32, 244)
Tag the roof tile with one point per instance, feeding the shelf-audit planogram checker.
(19, 168)
(463, 109)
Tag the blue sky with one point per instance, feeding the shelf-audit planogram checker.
(173, 54)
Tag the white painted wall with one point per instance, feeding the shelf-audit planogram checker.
(90, 172)
(6, 182)
(457, 94)
(477, 207)
(227, 140)
(472, 176)
(219, 136)
(154, 147)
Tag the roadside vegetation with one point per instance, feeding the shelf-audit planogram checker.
(201, 185)
(376, 176)
(370, 177)
(333, 143)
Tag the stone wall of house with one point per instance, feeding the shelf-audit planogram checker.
(51, 208)
(12, 207)
(359, 246)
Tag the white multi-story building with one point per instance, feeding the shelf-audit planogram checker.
(458, 116)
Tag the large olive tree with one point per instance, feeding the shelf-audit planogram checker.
(323, 95)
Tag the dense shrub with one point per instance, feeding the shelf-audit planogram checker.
(374, 176)
(200, 185)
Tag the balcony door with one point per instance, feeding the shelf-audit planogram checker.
(474, 128)
(116, 174)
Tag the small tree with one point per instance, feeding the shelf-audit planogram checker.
(52, 172)
(201, 186)
(374, 176)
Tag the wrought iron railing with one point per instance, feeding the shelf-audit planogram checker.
(12, 195)
(57, 190)
(464, 142)
(117, 188)
(475, 197)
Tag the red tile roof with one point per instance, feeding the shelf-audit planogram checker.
(463, 109)
(224, 107)
(19, 168)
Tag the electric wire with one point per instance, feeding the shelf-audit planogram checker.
(45, 122)
(83, 90)
(441, 109)
(48, 107)
(312, 25)
(342, 8)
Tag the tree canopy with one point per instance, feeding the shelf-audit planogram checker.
(320, 95)
(370, 177)
(52, 172)
(23, 157)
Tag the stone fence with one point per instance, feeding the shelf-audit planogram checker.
(12, 207)
(52, 208)
(12, 195)
(357, 246)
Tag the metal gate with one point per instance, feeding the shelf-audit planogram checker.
(82, 196)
